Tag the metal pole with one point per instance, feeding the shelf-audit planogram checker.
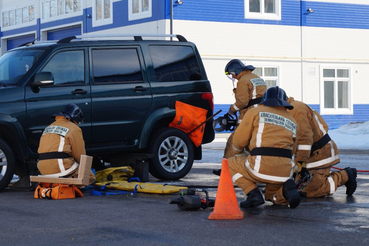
(171, 18)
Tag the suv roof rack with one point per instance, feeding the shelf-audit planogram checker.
(136, 37)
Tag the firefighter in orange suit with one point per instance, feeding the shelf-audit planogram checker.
(268, 133)
(248, 93)
(316, 154)
(62, 144)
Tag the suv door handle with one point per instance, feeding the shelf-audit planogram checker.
(139, 88)
(79, 91)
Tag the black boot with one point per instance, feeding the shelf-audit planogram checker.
(291, 194)
(351, 182)
(254, 198)
(217, 172)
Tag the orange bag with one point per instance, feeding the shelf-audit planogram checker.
(187, 118)
(56, 191)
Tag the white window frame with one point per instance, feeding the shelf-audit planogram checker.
(103, 21)
(262, 15)
(140, 15)
(23, 24)
(59, 16)
(276, 78)
(336, 110)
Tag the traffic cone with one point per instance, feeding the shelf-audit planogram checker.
(226, 206)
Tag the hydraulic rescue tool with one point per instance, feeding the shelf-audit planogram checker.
(191, 200)
(225, 123)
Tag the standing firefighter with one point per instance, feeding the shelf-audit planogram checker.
(62, 144)
(316, 154)
(268, 133)
(248, 94)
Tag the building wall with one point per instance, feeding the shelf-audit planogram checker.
(300, 44)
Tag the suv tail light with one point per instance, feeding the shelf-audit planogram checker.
(209, 96)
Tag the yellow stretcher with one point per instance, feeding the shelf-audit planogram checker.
(142, 187)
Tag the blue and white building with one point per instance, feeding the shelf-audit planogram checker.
(315, 49)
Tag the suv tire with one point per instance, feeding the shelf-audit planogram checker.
(173, 154)
(7, 164)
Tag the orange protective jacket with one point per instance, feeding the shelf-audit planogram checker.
(61, 136)
(249, 86)
(267, 127)
(312, 128)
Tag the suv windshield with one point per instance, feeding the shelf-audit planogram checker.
(14, 64)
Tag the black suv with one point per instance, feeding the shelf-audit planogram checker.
(127, 90)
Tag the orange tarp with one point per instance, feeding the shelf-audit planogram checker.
(187, 118)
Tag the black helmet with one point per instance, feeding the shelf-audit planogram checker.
(236, 66)
(276, 97)
(72, 112)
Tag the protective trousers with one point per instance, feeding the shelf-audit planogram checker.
(324, 182)
(242, 178)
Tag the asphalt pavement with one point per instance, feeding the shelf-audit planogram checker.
(148, 219)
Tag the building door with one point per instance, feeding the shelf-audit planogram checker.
(15, 42)
(62, 33)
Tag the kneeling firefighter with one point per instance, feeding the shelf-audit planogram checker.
(248, 94)
(268, 133)
(62, 144)
(316, 154)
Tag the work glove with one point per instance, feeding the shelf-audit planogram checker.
(230, 112)
(302, 170)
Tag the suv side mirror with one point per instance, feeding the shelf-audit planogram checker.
(44, 78)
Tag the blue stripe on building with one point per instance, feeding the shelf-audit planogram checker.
(334, 15)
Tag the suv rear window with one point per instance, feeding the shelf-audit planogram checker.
(116, 66)
(174, 63)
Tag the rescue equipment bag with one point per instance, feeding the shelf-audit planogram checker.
(187, 118)
(56, 191)
(114, 174)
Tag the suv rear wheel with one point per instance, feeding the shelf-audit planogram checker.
(7, 164)
(173, 154)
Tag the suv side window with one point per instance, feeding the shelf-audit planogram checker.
(111, 66)
(67, 67)
(174, 63)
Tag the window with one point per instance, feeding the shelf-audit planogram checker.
(67, 67)
(51, 9)
(139, 9)
(175, 63)
(336, 91)
(102, 12)
(14, 64)
(263, 9)
(116, 66)
(268, 73)
(18, 16)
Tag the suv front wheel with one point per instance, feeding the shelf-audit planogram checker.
(7, 164)
(173, 154)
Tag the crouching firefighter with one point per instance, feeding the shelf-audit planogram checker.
(248, 94)
(316, 154)
(268, 133)
(62, 144)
